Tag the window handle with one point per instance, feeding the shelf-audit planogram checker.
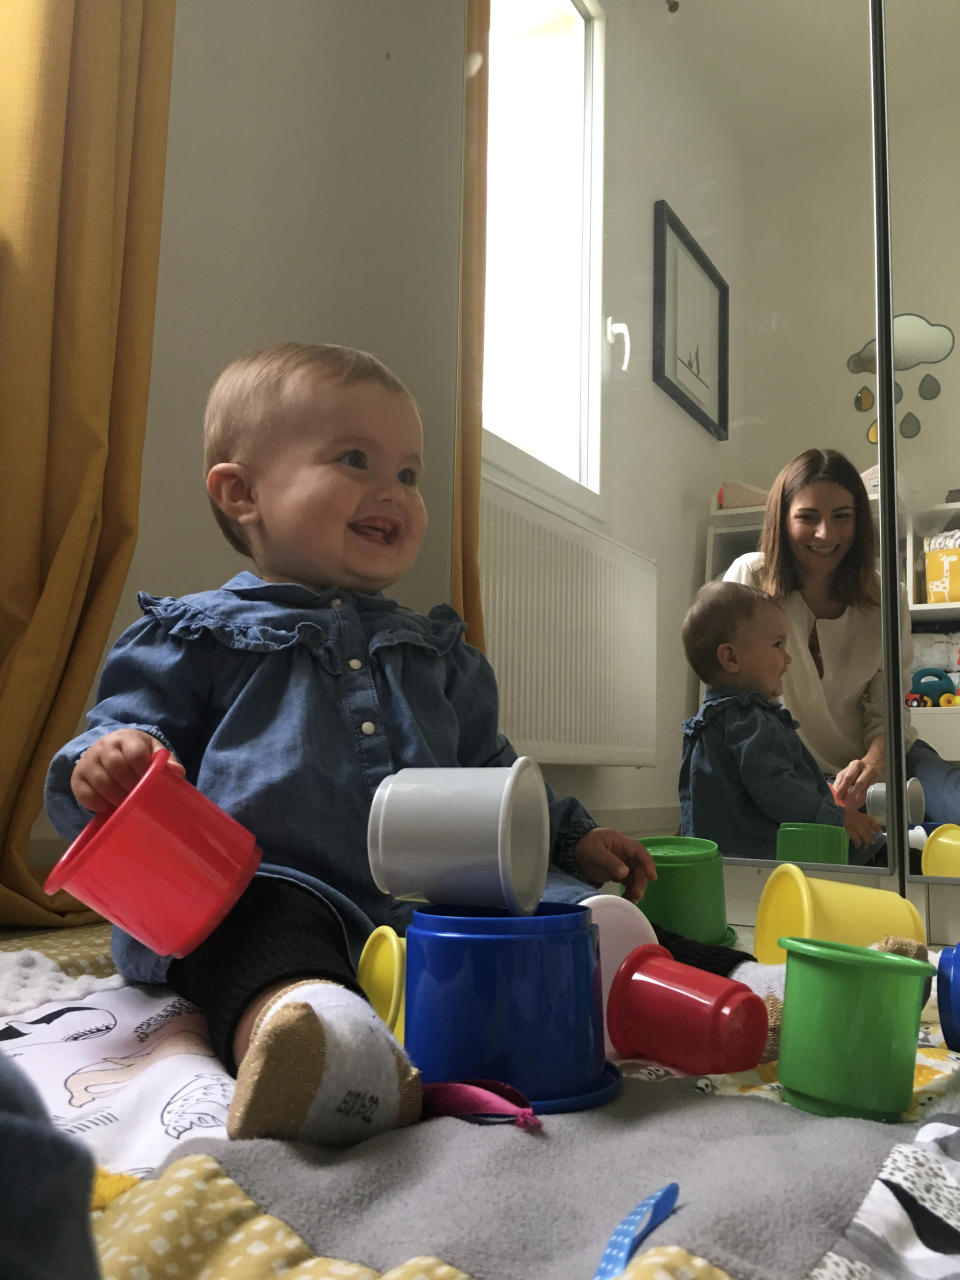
(615, 331)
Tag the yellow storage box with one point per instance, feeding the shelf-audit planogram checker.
(943, 575)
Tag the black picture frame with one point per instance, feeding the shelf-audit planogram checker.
(691, 324)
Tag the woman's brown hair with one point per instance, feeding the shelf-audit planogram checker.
(855, 580)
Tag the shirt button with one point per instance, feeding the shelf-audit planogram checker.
(336, 600)
(354, 664)
(368, 727)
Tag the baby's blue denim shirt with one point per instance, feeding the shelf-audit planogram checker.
(744, 771)
(288, 709)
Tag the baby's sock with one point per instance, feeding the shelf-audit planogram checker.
(767, 980)
(322, 1068)
(905, 947)
(764, 979)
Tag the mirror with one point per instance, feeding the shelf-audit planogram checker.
(923, 45)
(777, 95)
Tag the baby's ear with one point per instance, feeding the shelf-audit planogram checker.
(727, 657)
(229, 487)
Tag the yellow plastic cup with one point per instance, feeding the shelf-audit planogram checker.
(794, 905)
(941, 851)
(382, 974)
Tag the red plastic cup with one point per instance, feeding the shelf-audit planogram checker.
(684, 1017)
(166, 865)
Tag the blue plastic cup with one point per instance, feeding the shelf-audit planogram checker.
(948, 995)
(495, 996)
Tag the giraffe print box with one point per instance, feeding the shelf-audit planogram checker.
(942, 556)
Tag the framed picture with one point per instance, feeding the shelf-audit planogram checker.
(691, 314)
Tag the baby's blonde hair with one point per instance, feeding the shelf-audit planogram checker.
(718, 611)
(248, 399)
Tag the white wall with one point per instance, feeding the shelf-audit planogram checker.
(313, 194)
(664, 141)
(925, 197)
(792, 232)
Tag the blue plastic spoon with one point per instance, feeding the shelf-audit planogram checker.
(635, 1227)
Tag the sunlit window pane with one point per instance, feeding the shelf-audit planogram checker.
(534, 350)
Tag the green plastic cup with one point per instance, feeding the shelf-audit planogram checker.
(851, 1017)
(687, 896)
(812, 842)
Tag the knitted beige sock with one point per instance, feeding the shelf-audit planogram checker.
(910, 947)
(322, 1068)
(771, 1050)
(901, 946)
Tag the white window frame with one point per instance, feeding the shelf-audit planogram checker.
(504, 462)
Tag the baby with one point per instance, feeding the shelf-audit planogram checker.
(287, 696)
(744, 769)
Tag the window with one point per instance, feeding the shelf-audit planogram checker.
(542, 328)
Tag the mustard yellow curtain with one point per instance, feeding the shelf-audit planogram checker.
(465, 587)
(84, 98)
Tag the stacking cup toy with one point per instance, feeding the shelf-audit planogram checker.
(687, 896)
(622, 928)
(914, 798)
(381, 973)
(166, 865)
(948, 995)
(941, 851)
(796, 905)
(511, 998)
(812, 842)
(683, 1017)
(848, 1043)
(477, 837)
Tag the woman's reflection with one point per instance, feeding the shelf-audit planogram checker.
(818, 559)
(746, 779)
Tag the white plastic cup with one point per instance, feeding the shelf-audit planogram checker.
(915, 800)
(622, 927)
(470, 837)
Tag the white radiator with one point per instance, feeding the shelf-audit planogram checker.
(571, 625)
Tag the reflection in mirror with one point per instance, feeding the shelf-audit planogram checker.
(769, 132)
(923, 118)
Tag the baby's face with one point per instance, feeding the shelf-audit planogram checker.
(761, 652)
(337, 493)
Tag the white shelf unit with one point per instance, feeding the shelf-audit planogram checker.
(940, 726)
(732, 532)
(933, 520)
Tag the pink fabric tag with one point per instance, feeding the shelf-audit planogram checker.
(483, 1101)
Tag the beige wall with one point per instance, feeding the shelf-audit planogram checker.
(312, 193)
(664, 141)
(791, 229)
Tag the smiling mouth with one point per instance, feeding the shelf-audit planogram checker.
(380, 530)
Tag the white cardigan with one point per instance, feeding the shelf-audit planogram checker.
(841, 714)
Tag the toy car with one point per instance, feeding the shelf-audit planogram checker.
(933, 687)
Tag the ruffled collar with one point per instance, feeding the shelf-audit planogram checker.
(249, 613)
(718, 700)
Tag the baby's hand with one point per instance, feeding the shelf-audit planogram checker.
(604, 854)
(112, 767)
(860, 827)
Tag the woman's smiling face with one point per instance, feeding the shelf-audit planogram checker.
(821, 524)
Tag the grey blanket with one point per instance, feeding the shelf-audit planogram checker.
(765, 1190)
